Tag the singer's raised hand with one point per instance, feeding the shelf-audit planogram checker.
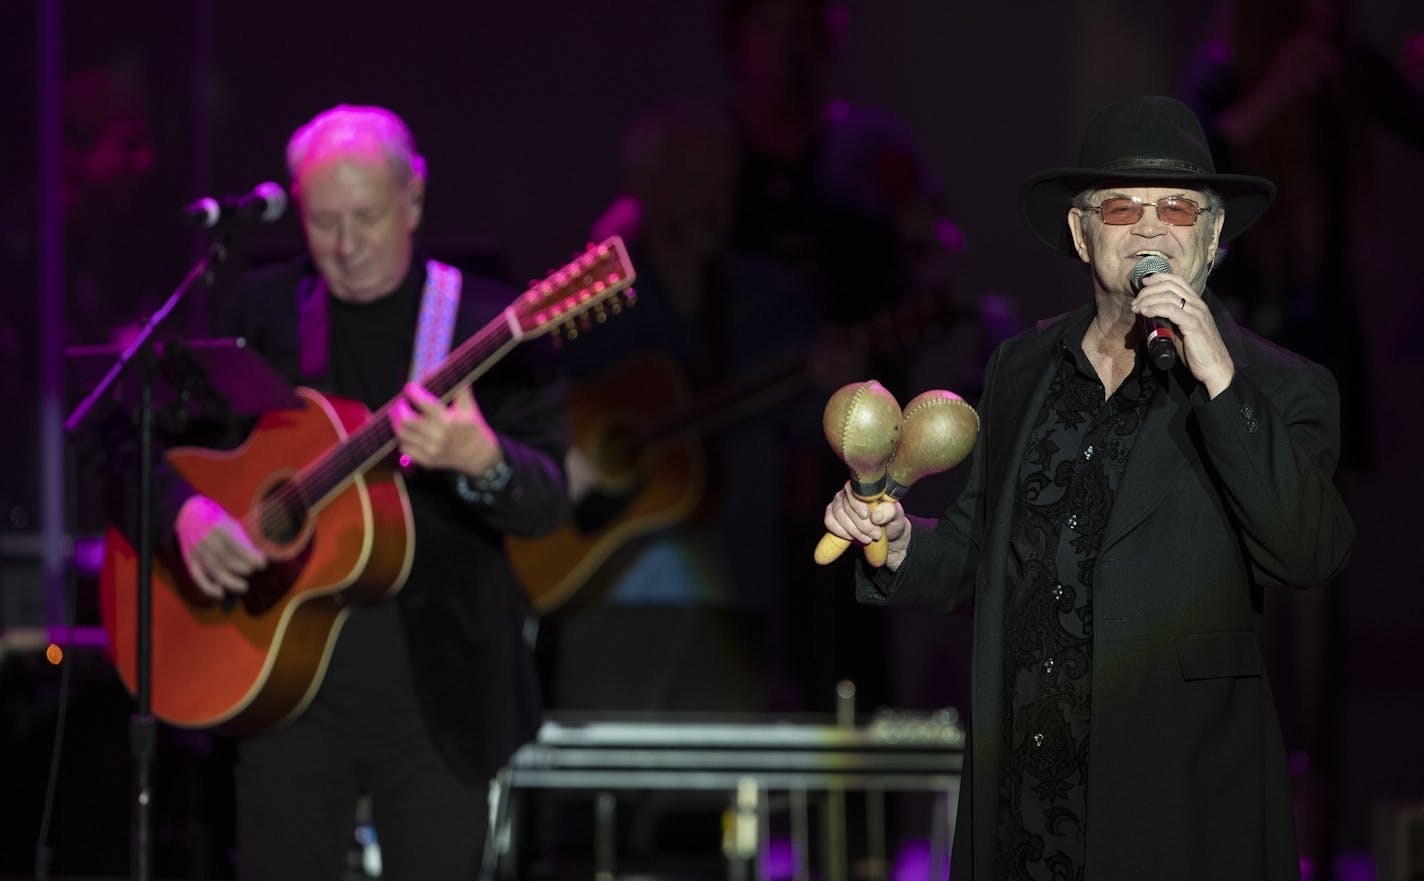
(1199, 342)
(854, 520)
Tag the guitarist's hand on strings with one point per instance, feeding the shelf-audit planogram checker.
(432, 435)
(216, 549)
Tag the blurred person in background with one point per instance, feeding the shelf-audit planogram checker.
(1291, 91)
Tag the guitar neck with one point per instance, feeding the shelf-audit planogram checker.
(730, 403)
(375, 439)
(590, 284)
(744, 397)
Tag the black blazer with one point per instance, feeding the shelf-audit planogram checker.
(1219, 499)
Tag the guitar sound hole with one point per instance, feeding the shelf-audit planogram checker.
(284, 514)
(598, 509)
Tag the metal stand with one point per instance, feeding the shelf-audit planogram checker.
(749, 760)
(140, 356)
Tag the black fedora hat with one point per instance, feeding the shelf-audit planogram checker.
(1144, 141)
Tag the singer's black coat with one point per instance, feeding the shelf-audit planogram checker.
(1220, 498)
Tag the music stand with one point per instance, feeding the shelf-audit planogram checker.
(207, 378)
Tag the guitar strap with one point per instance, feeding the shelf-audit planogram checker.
(434, 329)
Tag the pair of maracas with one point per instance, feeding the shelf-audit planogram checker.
(888, 449)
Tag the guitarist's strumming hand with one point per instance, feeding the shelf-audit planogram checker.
(435, 436)
(851, 519)
(216, 549)
(582, 473)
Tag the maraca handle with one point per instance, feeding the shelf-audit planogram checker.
(877, 551)
(831, 546)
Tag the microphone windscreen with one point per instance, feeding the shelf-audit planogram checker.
(1148, 265)
(273, 199)
(203, 213)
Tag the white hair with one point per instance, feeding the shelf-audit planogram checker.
(349, 125)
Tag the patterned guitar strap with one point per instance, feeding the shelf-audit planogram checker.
(435, 329)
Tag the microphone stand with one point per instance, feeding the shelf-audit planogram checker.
(140, 356)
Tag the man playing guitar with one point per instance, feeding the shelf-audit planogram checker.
(424, 688)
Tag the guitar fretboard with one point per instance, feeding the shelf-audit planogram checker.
(565, 296)
(326, 475)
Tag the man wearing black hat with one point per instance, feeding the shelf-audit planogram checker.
(1121, 518)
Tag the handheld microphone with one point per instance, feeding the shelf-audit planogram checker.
(1160, 332)
(266, 203)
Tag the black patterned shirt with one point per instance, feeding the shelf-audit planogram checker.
(1069, 474)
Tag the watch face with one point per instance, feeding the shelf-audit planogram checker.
(481, 489)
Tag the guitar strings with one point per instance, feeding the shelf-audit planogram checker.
(292, 502)
(311, 486)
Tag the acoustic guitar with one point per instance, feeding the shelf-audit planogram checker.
(638, 430)
(318, 489)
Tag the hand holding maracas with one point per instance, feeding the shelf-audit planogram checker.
(862, 425)
(937, 432)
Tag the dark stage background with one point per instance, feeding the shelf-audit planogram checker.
(520, 109)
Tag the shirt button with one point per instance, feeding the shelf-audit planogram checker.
(1247, 411)
(1038, 738)
(1252, 425)
(1048, 666)
(1088, 453)
(1057, 591)
(1072, 521)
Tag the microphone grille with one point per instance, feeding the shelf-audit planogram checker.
(1146, 266)
(204, 213)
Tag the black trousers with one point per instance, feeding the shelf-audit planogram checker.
(297, 789)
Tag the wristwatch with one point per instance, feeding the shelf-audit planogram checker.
(482, 488)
